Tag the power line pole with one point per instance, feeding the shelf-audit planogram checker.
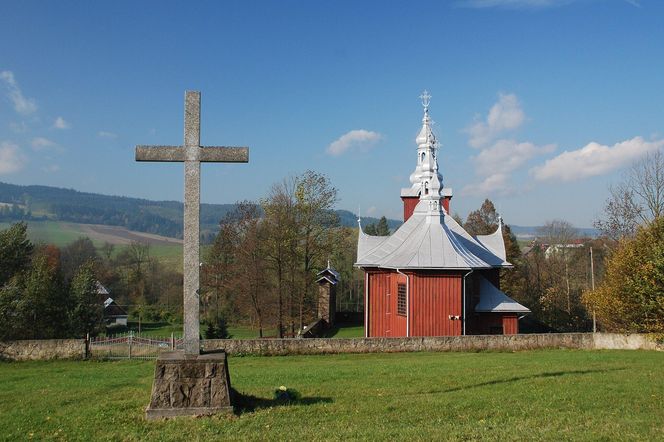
(592, 283)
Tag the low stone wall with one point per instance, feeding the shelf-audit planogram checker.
(617, 341)
(42, 349)
(584, 341)
(75, 348)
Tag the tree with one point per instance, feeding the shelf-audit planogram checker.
(482, 221)
(280, 221)
(33, 305)
(631, 296)
(75, 254)
(638, 199)
(15, 251)
(315, 199)
(381, 228)
(87, 311)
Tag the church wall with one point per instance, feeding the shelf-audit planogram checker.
(434, 297)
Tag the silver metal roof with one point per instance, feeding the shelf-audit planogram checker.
(495, 301)
(430, 239)
(494, 242)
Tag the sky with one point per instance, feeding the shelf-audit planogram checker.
(539, 105)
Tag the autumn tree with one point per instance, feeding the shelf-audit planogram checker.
(280, 222)
(637, 200)
(631, 297)
(482, 221)
(315, 198)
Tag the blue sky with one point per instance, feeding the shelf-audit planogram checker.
(539, 104)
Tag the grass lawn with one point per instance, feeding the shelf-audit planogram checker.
(539, 395)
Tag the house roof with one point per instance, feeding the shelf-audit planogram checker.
(112, 309)
(495, 301)
(429, 239)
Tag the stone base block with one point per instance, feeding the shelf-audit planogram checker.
(186, 385)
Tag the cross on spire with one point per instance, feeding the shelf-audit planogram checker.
(426, 98)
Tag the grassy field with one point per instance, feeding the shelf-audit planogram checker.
(64, 233)
(540, 395)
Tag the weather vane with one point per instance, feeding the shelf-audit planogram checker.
(425, 99)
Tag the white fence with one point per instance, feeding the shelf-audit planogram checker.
(132, 346)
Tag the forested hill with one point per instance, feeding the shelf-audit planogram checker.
(159, 217)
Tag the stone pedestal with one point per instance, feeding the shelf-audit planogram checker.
(190, 386)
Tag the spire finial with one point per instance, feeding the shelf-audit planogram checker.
(426, 98)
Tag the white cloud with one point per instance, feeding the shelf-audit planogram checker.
(359, 138)
(11, 159)
(60, 123)
(504, 115)
(499, 158)
(494, 184)
(41, 143)
(105, 134)
(594, 159)
(22, 104)
(514, 4)
(506, 156)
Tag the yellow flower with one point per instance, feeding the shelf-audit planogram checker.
(283, 388)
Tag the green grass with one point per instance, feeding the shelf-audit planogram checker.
(539, 395)
(345, 331)
(51, 232)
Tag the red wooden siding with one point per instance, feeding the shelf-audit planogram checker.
(409, 203)
(433, 298)
(510, 324)
(446, 203)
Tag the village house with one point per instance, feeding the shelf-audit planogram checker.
(430, 277)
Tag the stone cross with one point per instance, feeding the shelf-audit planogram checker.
(192, 154)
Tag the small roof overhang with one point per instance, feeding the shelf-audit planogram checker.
(493, 300)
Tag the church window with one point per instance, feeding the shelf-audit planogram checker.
(401, 299)
(423, 155)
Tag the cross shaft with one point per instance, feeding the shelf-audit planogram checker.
(192, 154)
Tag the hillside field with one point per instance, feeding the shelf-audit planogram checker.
(537, 395)
(168, 250)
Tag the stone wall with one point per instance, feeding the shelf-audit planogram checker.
(75, 348)
(42, 349)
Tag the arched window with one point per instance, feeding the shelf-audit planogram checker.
(423, 155)
(426, 187)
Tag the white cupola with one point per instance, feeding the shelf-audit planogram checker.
(426, 180)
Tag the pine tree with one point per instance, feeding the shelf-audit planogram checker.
(15, 251)
(87, 312)
(382, 229)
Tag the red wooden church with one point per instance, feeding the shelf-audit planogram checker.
(430, 277)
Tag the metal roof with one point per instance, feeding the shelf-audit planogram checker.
(430, 239)
(495, 301)
(494, 242)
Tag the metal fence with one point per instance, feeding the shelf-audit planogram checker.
(131, 346)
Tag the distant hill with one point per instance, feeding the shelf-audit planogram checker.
(526, 232)
(45, 203)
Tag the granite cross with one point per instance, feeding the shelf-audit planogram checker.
(192, 154)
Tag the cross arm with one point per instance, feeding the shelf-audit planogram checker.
(219, 154)
(212, 154)
(159, 153)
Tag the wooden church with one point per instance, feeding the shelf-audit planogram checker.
(430, 277)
